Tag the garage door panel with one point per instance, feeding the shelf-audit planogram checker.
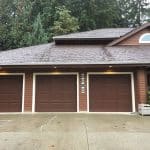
(11, 93)
(105, 105)
(124, 106)
(50, 97)
(44, 100)
(15, 106)
(110, 93)
(57, 107)
(114, 107)
(8, 98)
(3, 107)
(60, 101)
(58, 93)
(7, 107)
(124, 109)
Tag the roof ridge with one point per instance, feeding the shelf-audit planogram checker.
(97, 34)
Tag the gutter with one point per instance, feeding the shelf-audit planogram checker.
(73, 65)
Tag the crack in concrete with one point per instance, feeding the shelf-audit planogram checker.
(86, 132)
(46, 123)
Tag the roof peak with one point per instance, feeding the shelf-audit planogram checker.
(129, 34)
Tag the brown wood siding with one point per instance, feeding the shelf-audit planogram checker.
(142, 86)
(28, 91)
(11, 93)
(56, 93)
(136, 91)
(110, 93)
(134, 40)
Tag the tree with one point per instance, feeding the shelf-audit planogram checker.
(15, 21)
(30, 22)
(146, 15)
(131, 12)
(37, 34)
(93, 14)
(7, 9)
(64, 23)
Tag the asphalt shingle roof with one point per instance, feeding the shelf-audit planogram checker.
(52, 54)
(97, 34)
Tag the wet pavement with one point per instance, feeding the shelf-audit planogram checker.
(72, 131)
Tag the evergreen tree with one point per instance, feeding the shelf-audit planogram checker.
(37, 34)
(64, 23)
(30, 22)
(131, 12)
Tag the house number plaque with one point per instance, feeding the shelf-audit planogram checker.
(82, 79)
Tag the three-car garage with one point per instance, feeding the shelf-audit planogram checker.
(60, 92)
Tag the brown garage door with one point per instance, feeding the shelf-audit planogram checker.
(110, 93)
(56, 93)
(10, 93)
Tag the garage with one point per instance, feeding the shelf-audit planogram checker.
(11, 93)
(56, 93)
(110, 93)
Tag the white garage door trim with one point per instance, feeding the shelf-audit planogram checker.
(108, 73)
(54, 73)
(23, 86)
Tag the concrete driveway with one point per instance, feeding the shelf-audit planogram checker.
(56, 131)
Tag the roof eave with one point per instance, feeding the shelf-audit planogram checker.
(100, 64)
(88, 38)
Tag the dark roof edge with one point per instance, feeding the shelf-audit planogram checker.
(51, 65)
(129, 34)
(62, 36)
(71, 39)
